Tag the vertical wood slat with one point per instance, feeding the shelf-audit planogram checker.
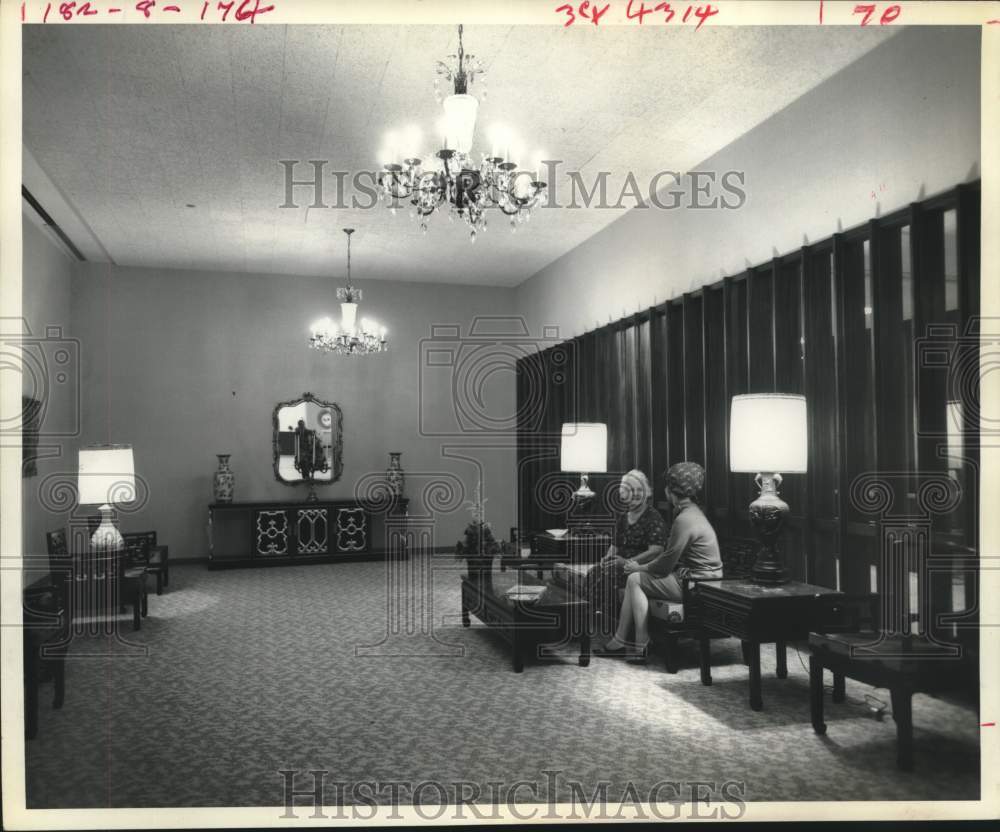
(694, 388)
(738, 375)
(760, 331)
(675, 394)
(839, 268)
(892, 410)
(969, 228)
(934, 334)
(716, 407)
(823, 478)
(659, 424)
(787, 367)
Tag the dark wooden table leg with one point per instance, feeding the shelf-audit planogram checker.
(756, 700)
(705, 659)
(839, 688)
(816, 694)
(670, 652)
(584, 659)
(903, 714)
(59, 676)
(30, 687)
(745, 652)
(781, 660)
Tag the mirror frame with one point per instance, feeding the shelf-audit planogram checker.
(338, 443)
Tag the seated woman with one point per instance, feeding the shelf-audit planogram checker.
(692, 552)
(640, 536)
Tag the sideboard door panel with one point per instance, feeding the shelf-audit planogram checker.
(272, 533)
(229, 537)
(312, 531)
(352, 530)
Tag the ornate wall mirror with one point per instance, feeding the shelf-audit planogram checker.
(308, 444)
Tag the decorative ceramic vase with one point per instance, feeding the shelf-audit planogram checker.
(223, 481)
(394, 475)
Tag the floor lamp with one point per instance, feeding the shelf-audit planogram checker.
(768, 434)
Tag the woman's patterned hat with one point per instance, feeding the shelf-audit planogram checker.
(686, 478)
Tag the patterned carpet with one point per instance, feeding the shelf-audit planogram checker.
(255, 670)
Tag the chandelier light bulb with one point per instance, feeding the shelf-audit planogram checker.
(499, 141)
(538, 164)
(392, 145)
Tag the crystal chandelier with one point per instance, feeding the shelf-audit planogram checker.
(348, 338)
(452, 181)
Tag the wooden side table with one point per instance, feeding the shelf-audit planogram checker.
(902, 664)
(757, 614)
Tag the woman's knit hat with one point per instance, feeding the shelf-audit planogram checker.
(685, 478)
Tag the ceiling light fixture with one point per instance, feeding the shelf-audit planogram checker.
(348, 338)
(451, 181)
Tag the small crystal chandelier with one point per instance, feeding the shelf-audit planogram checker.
(452, 181)
(348, 338)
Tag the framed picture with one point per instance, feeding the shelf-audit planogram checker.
(31, 423)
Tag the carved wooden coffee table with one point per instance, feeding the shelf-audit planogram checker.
(533, 617)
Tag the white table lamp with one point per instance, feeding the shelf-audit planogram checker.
(106, 478)
(768, 434)
(584, 450)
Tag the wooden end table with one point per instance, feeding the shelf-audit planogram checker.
(903, 664)
(757, 614)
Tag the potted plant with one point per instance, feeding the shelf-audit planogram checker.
(478, 546)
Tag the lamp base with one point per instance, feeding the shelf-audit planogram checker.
(581, 510)
(767, 513)
(106, 537)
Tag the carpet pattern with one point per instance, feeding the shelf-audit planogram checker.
(251, 671)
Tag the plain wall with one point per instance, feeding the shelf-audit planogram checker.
(49, 375)
(184, 365)
(902, 122)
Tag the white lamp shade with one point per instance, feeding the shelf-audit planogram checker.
(584, 447)
(107, 475)
(460, 121)
(768, 434)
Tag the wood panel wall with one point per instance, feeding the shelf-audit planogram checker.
(844, 321)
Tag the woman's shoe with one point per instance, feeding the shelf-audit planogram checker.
(611, 652)
(638, 655)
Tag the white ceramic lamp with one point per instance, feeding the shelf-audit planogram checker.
(106, 478)
(768, 436)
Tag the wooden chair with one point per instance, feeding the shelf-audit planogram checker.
(141, 550)
(97, 581)
(45, 632)
(669, 623)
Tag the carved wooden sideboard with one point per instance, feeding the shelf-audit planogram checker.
(256, 534)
